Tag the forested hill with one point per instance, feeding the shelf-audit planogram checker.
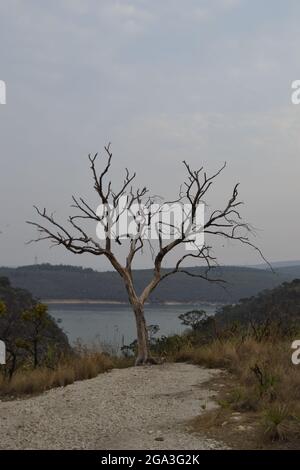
(281, 304)
(46, 281)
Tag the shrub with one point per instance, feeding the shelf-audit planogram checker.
(83, 365)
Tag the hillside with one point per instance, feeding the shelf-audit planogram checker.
(48, 282)
(280, 304)
(28, 331)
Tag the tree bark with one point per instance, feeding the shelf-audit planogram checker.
(144, 354)
(35, 353)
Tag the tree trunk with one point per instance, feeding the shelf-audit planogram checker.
(144, 355)
(35, 353)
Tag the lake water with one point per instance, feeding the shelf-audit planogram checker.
(114, 324)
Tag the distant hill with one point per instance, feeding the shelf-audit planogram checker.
(63, 282)
(277, 264)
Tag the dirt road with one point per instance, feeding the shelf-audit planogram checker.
(135, 408)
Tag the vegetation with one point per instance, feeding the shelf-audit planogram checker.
(194, 318)
(281, 304)
(252, 341)
(81, 365)
(39, 356)
(31, 335)
(263, 385)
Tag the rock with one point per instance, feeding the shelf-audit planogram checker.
(235, 418)
(242, 428)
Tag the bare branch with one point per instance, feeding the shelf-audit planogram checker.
(221, 223)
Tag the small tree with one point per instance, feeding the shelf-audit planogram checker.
(2, 308)
(223, 222)
(37, 321)
(193, 318)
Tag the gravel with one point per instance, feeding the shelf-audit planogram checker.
(134, 408)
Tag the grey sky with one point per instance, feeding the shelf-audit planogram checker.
(207, 81)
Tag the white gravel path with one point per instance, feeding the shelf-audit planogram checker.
(134, 408)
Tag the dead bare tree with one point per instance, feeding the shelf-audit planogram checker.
(145, 210)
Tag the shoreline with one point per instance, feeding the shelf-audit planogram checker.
(80, 301)
(119, 302)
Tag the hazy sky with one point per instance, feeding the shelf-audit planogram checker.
(163, 80)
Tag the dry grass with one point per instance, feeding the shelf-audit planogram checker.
(264, 382)
(84, 365)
